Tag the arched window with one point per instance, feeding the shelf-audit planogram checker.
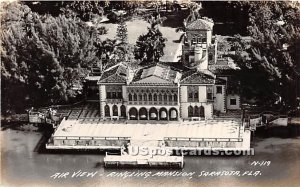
(210, 56)
(114, 95)
(130, 97)
(196, 96)
(115, 110)
(160, 97)
(133, 113)
(150, 97)
(145, 97)
(140, 97)
(170, 97)
(134, 97)
(153, 113)
(190, 111)
(175, 97)
(202, 114)
(143, 113)
(163, 114)
(123, 111)
(196, 111)
(173, 115)
(165, 97)
(106, 111)
(155, 97)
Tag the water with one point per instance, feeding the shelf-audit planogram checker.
(21, 165)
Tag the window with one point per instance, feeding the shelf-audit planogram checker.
(140, 97)
(114, 95)
(196, 111)
(155, 97)
(115, 110)
(150, 97)
(209, 93)
(123, 111)
(145, 97)
(114, 92)
(107, 111)
(108, 95)
(134, 97)
(165, 97)
(193, 94)
(196, 96)
(210, 56)
(202, 114)
(219, 89)
(190, 111)
(194, 40)
(175, 97)
(119, 95)
(130, 97)
(233, 101)
(160, 97)
(170, 97)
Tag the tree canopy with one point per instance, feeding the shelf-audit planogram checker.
(43, 58)
(150, 46)
(122, 31)
(270, 63)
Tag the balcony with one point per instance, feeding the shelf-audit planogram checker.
(116, 100)
(209, 100)
(170, 103)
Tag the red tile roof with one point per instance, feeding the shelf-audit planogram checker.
(199, 24)
(196, 77)
(115, 74)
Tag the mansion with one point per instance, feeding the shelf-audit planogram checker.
(198, 87)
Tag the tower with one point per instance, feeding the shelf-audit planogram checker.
(197, 40)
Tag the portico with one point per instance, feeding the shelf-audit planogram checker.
(169, 113)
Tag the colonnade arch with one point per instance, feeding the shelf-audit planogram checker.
(152, 113)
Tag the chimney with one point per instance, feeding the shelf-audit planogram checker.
(198, 53)
(200, 58)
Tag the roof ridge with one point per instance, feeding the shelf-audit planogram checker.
(204, 23)
(112, 67)
(103, 80)
(188, 76)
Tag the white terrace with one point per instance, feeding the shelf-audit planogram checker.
(216, 129)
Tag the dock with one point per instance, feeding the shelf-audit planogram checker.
(143, 161)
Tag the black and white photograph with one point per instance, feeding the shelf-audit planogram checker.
(162, 93)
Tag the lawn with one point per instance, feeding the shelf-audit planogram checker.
(136, 27)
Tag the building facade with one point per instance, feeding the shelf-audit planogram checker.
(195, 89)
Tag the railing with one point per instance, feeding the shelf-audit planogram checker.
(118, 100)
(200, 101)
(210, 100)
(152, 102)
(204, 139)
(90, 138)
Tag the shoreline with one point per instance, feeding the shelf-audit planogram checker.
(45, 132)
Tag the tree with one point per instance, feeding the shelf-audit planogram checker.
(270, 65)
(194, 12)
(85, 10)
(122, 31)
(223, 45)
(150, 46)
(43, 57)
